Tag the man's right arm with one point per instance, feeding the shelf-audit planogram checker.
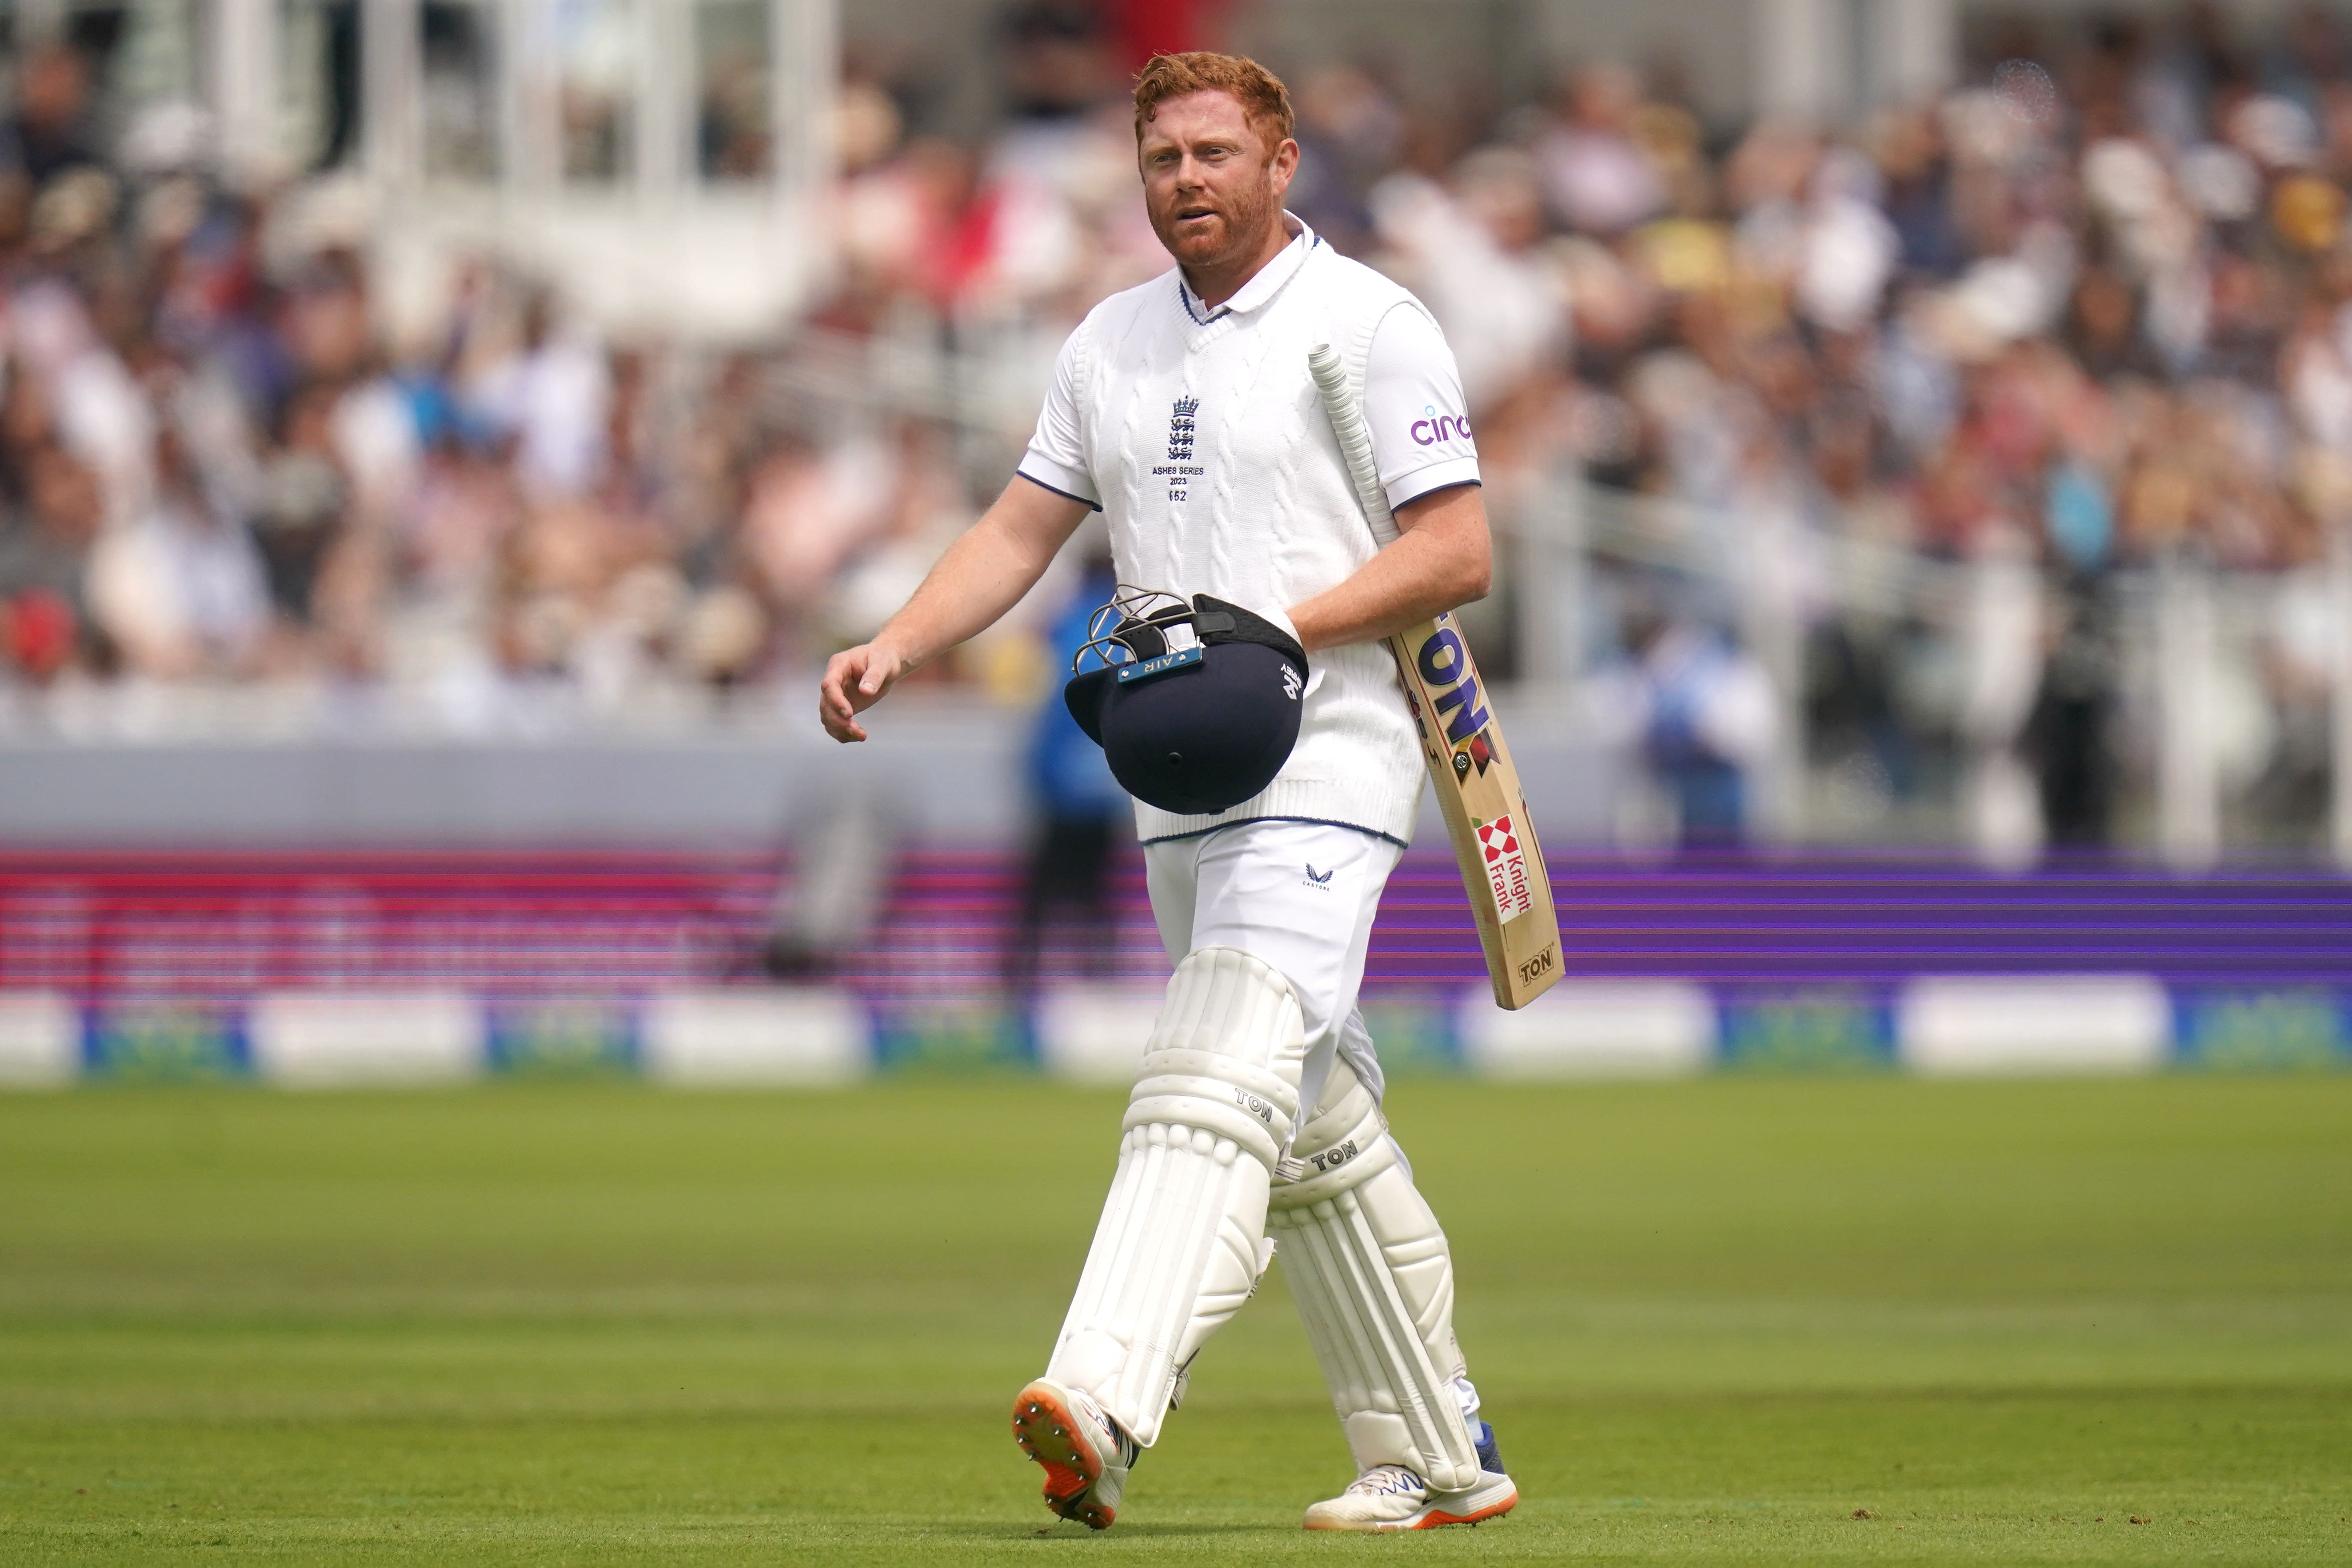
(983, 573)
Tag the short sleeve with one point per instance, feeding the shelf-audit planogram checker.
(1057, 458)
(1412, 400)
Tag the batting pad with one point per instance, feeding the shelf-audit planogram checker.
(1183, 1236)
(1368, 1264)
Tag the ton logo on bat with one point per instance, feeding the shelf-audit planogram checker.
(1444, 663)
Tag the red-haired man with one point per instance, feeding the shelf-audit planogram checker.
(1184, 410)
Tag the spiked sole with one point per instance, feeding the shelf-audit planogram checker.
(1047, 1431)
(1480, 1506)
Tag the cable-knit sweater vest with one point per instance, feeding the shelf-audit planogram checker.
(1219, 474)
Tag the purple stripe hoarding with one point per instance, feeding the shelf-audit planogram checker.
(106, 927)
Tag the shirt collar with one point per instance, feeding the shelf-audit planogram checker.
(1266, 282)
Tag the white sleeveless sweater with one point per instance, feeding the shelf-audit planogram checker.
(1219, 474)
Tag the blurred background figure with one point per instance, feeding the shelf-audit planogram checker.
(1081, 815)
(841, 852)
(1704, 710)
(2066, 735)
(48, 132)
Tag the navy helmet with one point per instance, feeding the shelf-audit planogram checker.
(1195, 706)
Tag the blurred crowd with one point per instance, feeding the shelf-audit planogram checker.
(2086, 313)
(216, 463)
(2089, 310)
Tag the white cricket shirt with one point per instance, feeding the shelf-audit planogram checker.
(1201, 437)
(1413, 405)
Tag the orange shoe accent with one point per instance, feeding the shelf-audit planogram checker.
(1047, 1431)
(1437, 1516)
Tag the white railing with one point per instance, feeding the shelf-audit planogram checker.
(2187, 639)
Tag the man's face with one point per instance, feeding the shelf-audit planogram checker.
(1212, 189)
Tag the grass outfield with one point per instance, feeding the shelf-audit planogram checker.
(583, 1323)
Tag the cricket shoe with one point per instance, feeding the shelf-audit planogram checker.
(1086, 1454)
(1389, 1497)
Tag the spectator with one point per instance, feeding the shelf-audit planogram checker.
(551, 397)
(43, 554)
(1705, 714)
(180, 588)
(47, 133)
(1599, 179)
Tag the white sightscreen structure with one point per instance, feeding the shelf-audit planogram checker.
(662, 162)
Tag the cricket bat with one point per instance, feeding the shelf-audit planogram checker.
(1469, 764)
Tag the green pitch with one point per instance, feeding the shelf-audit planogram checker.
(1718, 1322)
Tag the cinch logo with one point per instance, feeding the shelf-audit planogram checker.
(1440, 427)
(1446, 663)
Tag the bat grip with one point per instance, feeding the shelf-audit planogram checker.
(1347, 417)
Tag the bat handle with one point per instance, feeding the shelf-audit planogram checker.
(1347, 417)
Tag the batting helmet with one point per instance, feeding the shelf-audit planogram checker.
(1196, 707)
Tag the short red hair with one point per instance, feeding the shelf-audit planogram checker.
(1265, 101)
